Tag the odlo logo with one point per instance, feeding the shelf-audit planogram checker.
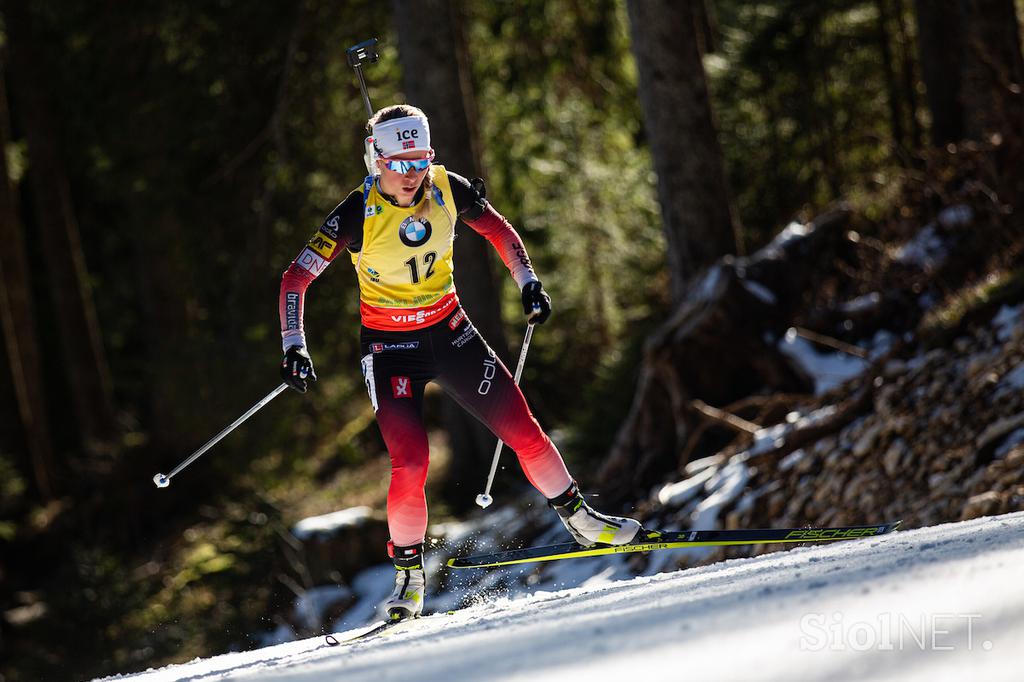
(490, 369)
(330, 228)
(414, 232)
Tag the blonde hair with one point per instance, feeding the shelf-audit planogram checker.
(401, 111)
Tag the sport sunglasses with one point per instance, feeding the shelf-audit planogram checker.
(406, 165)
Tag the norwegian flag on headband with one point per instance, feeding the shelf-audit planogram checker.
(397, 135)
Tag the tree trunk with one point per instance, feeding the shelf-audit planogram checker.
(436, 78)
(828, 134)
(706, 26)
(19, 327)
(909, 77)
(889, 71)
(941, 47)
(993, 74)
(80, 341)
(692, 188)
(718, 346)
(158, 259)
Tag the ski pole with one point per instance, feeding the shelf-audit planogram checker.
(484, 499)
(358, 55)
(162, 481)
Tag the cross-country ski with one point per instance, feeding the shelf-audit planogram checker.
(650, 541)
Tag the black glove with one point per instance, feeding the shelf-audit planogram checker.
(536, 303)
(296, 367)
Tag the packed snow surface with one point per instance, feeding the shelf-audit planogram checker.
(940, 603)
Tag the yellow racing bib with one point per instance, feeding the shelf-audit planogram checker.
(405, 266)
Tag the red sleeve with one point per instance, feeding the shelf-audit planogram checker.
(311, 261)
(341, 229)
(291, 303)
(505, 240)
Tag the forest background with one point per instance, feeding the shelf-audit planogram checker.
(166, 161)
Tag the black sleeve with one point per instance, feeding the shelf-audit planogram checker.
(345, 223)
(469, 196)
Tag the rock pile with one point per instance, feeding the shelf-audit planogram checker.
(942, 439)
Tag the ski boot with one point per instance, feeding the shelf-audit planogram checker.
(589, 527)
(410, 583)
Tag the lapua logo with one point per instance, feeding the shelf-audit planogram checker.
(404, 345)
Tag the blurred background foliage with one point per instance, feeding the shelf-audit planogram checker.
(203, 143)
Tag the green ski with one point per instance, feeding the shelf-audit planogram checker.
(653, 540)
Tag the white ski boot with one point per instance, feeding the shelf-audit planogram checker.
(406, 601)
(589, 527)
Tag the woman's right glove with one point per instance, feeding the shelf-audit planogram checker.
(296, 367)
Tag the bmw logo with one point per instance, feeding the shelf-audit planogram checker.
(414, 232)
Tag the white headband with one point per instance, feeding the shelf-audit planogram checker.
(406, 134)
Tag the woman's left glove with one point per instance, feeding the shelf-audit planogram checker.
(536, 303)
(296, 367)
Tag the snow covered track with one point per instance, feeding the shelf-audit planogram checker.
(929, 604)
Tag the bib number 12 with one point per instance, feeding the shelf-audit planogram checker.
(428, 264)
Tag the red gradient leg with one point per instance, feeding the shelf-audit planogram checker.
(480, 382)
(398, 400)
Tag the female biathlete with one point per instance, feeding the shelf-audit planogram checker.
(399, 230)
